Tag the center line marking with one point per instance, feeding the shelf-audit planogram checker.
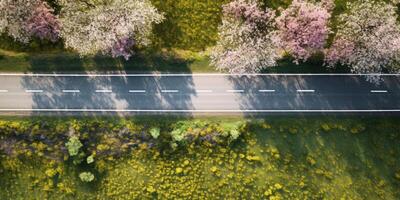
(305, 90)
(169, 91)
(103, 91)
(204, 91)
(379, 91)
(71, 91)
(266, 90)
(33, 91)
(3, 90)
(235, 91)
(137, 91)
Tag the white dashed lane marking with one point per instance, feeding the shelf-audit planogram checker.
(266, 91)
(204, 91)
(379, 91)
(169, 91)
(305, 91)
(235, 91)
(33, 91)
(71, 91)
(103, 91)
(176, 91)
(137, 91)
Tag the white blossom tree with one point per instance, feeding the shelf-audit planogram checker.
(368, 39)
(248, 41)
(22, 19)
(107, 26)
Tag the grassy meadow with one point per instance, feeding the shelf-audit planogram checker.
(272, 158)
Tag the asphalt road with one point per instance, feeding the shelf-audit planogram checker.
(197, 93)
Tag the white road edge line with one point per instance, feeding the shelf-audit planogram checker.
(3, 91)
(199, 74)
(33, 91)
(137, 91)
(266, 90)
(235, 91)
(169, 91)
(204, 91)
(379, 91)
(194, 111)
(306, 91)
(71, 91)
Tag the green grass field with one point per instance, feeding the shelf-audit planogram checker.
(275, 158)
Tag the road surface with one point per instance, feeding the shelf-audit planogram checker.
(193, 93)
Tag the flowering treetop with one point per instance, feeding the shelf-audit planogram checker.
(22, 19)
(107, 26)
(368, 38)
(303, 28)
(248, 41)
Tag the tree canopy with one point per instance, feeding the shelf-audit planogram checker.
(248, 40)
(108, 27)
(24, 19)
(368, 38)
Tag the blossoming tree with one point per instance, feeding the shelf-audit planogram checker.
(247, 39)
(22, 19)
(303, 28)
(368, 38)
(107, 26)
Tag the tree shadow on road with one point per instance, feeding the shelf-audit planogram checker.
(93, 93)
(330, 93)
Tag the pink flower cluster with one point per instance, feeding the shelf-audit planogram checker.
(339, 52)
(303, 28)
(43, 23)
(123, 48)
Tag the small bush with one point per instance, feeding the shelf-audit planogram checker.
(155, 132)
(86, 177)
(73, 145)
(90, 159)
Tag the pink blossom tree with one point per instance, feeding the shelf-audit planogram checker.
(43, 23)
(303, 28)
(22, 19)
(368, 39)
(247, 38)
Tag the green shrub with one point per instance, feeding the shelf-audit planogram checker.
(181, 130)
(178, 135)
(232, 130)
(155, 132)
(73, 145)
(234, 134)
(90, 159)
(86, 176)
